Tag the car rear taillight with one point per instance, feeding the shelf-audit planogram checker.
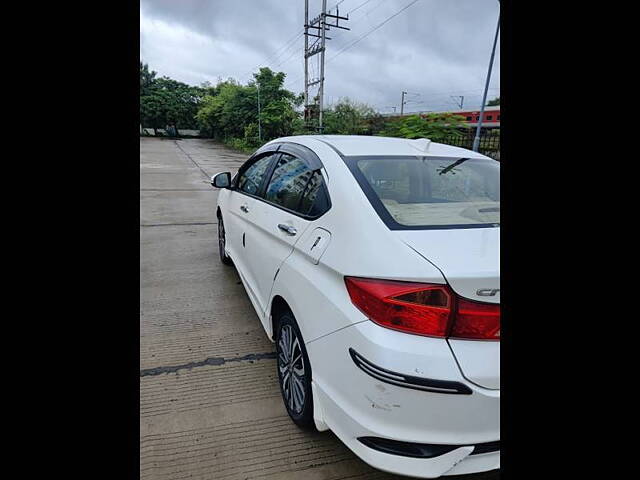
(424, 309)
(476, 320)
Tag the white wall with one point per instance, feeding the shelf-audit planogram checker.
(180, 131)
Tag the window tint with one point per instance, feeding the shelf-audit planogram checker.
(489, 117)
(251, 178)
(296, 187)
(288, 182)
(315, 201)
(435, 191)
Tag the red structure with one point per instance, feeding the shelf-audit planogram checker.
(491, 116)
(490, 120)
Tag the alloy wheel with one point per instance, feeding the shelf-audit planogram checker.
(221, 240)
(292, 369)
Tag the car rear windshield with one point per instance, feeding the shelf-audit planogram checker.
(430, 192)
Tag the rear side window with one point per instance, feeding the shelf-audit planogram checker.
(251, 179)
(416, 192)
(296, 187)
(314, 201)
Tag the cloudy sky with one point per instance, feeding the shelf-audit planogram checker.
(434, 49)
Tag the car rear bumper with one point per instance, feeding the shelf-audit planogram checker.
(374, 382)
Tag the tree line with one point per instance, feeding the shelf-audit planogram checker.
(228, 112)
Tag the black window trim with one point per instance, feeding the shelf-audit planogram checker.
(378, 206)
(258, 155)
(302, 153)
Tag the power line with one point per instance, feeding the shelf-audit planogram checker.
(299, 77)
(291, 43)
(437, 105)
(299, 34)
(462, 91)
(361, 18)
(292, 82)
(373, 30)
(354, 9)
(274, 56)
(284, 47)
(295, 52)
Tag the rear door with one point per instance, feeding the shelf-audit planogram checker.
(294, 197)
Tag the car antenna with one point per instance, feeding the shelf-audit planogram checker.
(421, 144)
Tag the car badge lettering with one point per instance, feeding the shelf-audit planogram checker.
(487, 292)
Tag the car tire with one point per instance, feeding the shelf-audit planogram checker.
(222, 240)
(294, 371)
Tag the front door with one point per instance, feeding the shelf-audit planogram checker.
(241, 214)
(289, 206)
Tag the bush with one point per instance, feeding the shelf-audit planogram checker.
(347, 118)
(434, 126)
(243, 145)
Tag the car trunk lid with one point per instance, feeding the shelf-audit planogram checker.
(469, 260)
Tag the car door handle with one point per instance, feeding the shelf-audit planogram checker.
(244, 208)
(287, 228)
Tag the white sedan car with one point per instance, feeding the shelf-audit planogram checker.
(373, 264)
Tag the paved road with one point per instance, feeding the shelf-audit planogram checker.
(207, 408)
(210, 407)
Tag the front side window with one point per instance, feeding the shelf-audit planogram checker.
(296, 187)
(251, 178)
(416, 192)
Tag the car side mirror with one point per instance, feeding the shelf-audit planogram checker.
(221, 180)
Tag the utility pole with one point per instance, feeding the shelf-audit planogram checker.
(322, 49)
(476, 140)
(306, 61)
(403, 102)
(461, 97)
(318, 46)
(259, 122)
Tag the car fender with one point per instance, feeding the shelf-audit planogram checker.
(221, 201)
(316, 295)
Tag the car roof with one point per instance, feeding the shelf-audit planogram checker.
(356, 145)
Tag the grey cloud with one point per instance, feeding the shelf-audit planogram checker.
(436, 47)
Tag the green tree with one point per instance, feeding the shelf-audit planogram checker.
(278, 117)
(494, 102)
(376, 123)
(164, 101)
(229, 111)
(348, 118)
(434, 126)
(147, 78)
